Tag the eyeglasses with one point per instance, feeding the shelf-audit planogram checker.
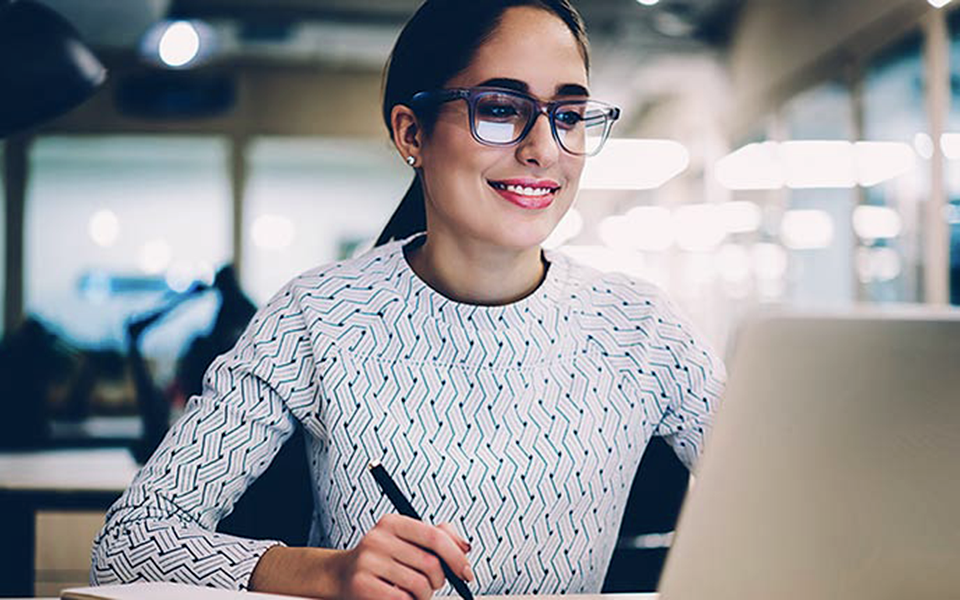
(500, 117)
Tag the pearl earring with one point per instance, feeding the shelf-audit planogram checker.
(411, 160)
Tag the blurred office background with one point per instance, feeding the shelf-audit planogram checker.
(771, 153)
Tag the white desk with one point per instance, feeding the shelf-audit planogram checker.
(55, 479)
(208, 594)
(67, 471)
(588, 597)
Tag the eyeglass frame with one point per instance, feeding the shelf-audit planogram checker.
(548, 109)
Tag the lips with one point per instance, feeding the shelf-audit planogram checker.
(527, 193)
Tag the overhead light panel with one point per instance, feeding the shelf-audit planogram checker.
(635, 164)
(819, 164)
(807, 229)
(752, 167)
(814, 164)
(876, 222)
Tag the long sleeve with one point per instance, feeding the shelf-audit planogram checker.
(696, 388)
(163, 527)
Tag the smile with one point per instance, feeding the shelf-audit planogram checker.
(527, 195)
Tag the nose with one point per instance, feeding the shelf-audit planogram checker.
(539, 148)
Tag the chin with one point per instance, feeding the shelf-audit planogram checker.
(523, 236)
(518, 230)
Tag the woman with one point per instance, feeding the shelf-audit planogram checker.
(510, 391)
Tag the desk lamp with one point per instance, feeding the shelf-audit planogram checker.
(45, 70)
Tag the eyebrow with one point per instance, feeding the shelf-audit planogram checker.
(567, 89)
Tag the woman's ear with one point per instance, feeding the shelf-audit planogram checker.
(407, 133)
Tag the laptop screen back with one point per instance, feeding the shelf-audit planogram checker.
(833, 470)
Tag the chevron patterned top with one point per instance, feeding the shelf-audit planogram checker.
(523, 424)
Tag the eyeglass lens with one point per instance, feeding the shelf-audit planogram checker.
(503, 118)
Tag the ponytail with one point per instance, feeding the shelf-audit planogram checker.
(409, 218)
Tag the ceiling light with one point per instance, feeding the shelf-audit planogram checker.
(877, 162)
(104, 228)
(699, 227)
(180, 276)
(769, 261)
(740, 216)
(734, 263)
(752, 167)
(876, 222)
(950, 144)
(273, 232)
(878, 264)
(649, 228)
(180, 44)
(635, 165)
(818, 164)
(155, 256)
(923, 144)
(806, 229)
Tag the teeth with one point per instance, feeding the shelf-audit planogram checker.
(526, 191)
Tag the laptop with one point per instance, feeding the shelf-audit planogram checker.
(833, 469)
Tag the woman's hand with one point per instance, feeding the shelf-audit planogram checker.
(397, 559)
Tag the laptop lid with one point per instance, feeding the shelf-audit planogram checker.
(833, 470)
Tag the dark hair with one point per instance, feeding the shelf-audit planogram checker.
(436, 44)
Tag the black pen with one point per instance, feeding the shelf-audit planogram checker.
(406, 509)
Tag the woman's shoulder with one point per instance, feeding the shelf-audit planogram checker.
(605, 286)
(369, 271)
(371, 264)
(631, 306)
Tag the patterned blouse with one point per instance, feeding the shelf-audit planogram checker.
(522, 424)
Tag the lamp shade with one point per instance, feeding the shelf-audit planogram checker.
(45, 70)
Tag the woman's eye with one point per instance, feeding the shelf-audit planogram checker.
(498, 111)
(568, 118)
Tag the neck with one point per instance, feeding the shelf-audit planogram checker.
(477, 273)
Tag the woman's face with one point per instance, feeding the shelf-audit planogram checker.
(532, 51)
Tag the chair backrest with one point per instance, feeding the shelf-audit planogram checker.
(279, 504)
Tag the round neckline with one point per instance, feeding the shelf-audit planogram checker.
(422, 297)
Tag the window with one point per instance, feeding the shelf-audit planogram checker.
(115, 226)
(313, 201)
(821, 269)
(894, 102)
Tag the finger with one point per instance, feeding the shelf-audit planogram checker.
(435, 540)
(371, 586)
(417, 558)
(451, 530)
(409, 580)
